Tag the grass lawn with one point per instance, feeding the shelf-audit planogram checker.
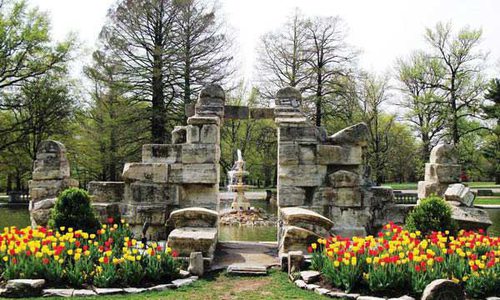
(222, 286)
(413, 185)
(487, 200)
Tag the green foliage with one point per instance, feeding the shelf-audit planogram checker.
(73, 209)
(432, 214)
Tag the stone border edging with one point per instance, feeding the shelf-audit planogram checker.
(51, 292)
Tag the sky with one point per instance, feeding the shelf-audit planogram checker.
(382, 30)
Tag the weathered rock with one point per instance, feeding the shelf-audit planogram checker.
(312, 287)
(307, 154)
(106, 210)
(300, 133)
(426, 189)
(210, 134)
(40, 217)
(288, 96)
(343, 179)
(106, 191)
(442, 173)
(189, 239)
(200, 153)
(296, 216)
(43, 189)
(321, 291)
(44, 204)
(470, 218)
(343, 296)
(182, 282)
(443, 154)
(247, 269)
(194, 217)
(461, 193)
(146, 172)
(84, 293)
(57, 292)
(296, 239)
(339, 155)
(295, 261)
(132, 290)
(290, 195)
(149, 192)
(19, 288)
(199, 195)
(405, 297)
(161, 153)
(51, 161)
(288, 154)
(193, 173)
(193, 134)
(347, 197)
(353, 135)
(369, 298)
(302, 175)
(310, 276)
(108, 291)
(179, 135)
(196, 263)
(300, 283)
(349, 231)
(443, 289)
(162, 287)
(201, 120)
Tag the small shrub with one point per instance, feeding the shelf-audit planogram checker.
(73, 210)
(432, 214)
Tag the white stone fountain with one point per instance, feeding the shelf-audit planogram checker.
(236, 175)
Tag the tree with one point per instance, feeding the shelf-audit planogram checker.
(373, 95)
(283, 57)
(203, 49)
(138, 35)
(462, 83)
(419, 76)
(492, 112)
(329, 59)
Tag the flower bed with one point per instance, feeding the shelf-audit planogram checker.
(400, 260)
(65, 257)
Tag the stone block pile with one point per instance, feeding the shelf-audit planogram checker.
(51, 176)
(325, 174)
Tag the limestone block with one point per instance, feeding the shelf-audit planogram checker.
(290, 196)
(307, 154)
(297, 133)
(144, 192)
(210, 134)
(155, 214)
(200, 153)
(106, 191)
(289, 97)
(339, 155)
(106, 210)
(196, 263)
(349, 231)
(194, 217)
(442, 173)
(353, 135)
(347, 197)
(161, 153)
(179, 135)
(470, 218)
(194, 173)
(201, 120)
(297, 216)
(296, 239)
(443, 154)
(396, 213)
(443, 289)
(382, 194)
(350, 217)
(191, 239)
(343, 179)
(199, 195)
(193, 134)
(19, 288)
(302, 175)
(426, 188)
(145, 172)
(43, 204)
(310, 276)
(42, 189)
(461, 193)
(295, 261)
(51, 161)
(40, 217)
(323, 196)
(288, 154)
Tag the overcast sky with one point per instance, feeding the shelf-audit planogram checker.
(383, 30)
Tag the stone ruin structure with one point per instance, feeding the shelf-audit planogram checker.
(442, 178)
(325, 174)
(51, 176)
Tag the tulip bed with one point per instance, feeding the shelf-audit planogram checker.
(67, 257)
(400, 260)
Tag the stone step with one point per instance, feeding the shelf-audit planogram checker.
(246, 269)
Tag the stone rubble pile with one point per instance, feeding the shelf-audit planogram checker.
(251, 217)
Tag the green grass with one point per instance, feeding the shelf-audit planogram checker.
(487, 200)
(222, 286)
(413, 185)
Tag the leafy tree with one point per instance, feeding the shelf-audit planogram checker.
(461, 82)
(492, 112)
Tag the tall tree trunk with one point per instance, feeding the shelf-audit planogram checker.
(158, 118)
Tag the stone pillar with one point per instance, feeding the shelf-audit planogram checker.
(441, 171)
(51, 176)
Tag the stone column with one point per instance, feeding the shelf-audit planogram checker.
(51, 176)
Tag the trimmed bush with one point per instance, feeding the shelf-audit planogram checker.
(432, 214)
(73, 209)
